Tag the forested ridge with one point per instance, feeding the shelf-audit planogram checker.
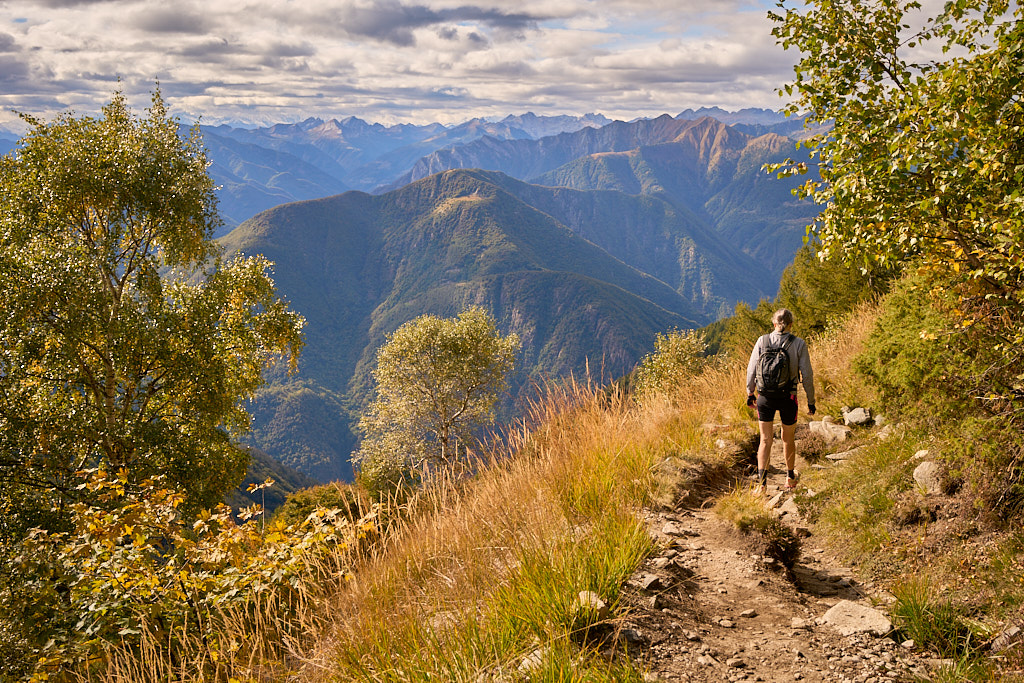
(130, 347)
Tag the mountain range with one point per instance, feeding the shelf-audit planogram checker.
(585, 236)
(259, 168)
(625, 231)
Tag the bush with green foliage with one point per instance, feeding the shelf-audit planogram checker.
(125, 342)
(912, 357)
(678, 354)
(438, 380)
(127, 345)
(132, 564)
(923, 156)
(348, 498)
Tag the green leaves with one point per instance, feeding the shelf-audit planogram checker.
(132, 564)
(122, 342)
(924, 156)
(678, 355)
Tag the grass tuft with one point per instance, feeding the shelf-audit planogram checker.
(750, 514)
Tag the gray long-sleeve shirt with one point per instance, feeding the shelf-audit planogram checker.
(799, 361)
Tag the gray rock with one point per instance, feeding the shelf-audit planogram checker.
(829, 430)
(650, 582)
(672, 529)
(929, 477)
(631, 635)
(591, 604)
(748, 613)
(735, 663)
(533, 661)
(799, 624)
(844, 455)
(1007, 639)
(857, 417)
(850, 618)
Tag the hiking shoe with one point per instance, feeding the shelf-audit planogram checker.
(790, 483)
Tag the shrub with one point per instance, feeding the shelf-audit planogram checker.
(349, 499)
(678, 355)
(911, 358)
(132, 566)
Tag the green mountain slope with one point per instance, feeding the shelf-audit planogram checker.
(358, 266)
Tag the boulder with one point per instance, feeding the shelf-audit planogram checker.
(850, 618)
(829, 430)
(929, 476)
(857, 417)
(845, 455)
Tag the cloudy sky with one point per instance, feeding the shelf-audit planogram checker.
(261, 61)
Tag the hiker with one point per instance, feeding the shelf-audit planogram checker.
(778, 362)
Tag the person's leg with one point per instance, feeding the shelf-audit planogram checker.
(788, 412)
(789, 449)
(764, 450)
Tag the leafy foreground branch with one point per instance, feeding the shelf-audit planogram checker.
(133, 572)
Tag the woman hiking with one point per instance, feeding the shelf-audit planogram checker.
(778, 362)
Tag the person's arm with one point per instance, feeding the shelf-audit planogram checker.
(807, 375)
(752, 366)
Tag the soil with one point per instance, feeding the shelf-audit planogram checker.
(709, 607)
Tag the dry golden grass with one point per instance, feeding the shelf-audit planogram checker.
(832, 354)
(556, 496)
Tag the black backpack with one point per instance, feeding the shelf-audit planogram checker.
(773, 374)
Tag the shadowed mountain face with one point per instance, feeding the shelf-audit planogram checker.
(586, 278)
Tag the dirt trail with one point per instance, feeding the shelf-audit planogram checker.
(708, 608)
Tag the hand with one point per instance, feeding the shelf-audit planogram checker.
(751, 400)
(810, 409)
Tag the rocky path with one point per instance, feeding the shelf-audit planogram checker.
(707, 608)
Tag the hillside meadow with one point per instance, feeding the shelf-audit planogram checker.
(470, 575)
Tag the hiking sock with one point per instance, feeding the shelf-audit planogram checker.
(762, 477)
(791, 474)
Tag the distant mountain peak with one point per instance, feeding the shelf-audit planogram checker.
(751, 115)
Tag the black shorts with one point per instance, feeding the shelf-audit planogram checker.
(784, 403)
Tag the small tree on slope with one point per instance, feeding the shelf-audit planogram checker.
(437, 381)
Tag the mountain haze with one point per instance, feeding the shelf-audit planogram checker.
(714, 172)
(260, 168)
(359, 265)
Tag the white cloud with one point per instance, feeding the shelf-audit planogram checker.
(390, 60)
